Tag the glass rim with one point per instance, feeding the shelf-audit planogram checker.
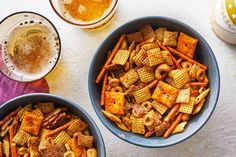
(87, 24)
(59, 51)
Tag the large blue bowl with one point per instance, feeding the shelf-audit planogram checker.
(11, 105)
(203, 53)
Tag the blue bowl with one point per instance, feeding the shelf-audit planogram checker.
(204, 54)
(11, 105)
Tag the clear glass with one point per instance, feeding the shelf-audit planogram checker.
(92, 24)
(19, 19)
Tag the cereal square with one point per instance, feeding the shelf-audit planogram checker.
(145, 75)
(121, 57)
(159, 107)
(187, 108)
(149, 46)
(129, 78)
(136, 36)
(154, 57)
(137, 125)
(139, 57)
(181, 78)
(170, 38)
(147, 32)
(160, 33)
(142, 95)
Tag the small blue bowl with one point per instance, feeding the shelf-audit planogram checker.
(204, 54)
(11, 105)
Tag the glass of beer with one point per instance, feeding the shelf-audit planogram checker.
(30, 46)
(85, 13)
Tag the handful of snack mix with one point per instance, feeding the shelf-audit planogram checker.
(43, 130)
(151, 82)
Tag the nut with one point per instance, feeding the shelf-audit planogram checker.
(91, 152)
(22, 151)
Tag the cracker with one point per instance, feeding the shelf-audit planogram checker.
(180, 127)
(183, 96)
(170, 38)
(188, 107)
(84, 140)
(62, 137)
(187, 45)
(114, 102)
(76, 126)
(31, 123)
(37, 112)
(181, 78)
(129, 78)
(167, 58)
(136, 36)
(154, 57)
(147, 32)
(121, 57)
(142, 95)
(137, 125)
(159, 107)
(53, 151)
(21, 138)
(149, 46)
(45, 107)
(165, 94)
(139, 57)
(160, 33)
(146, 75)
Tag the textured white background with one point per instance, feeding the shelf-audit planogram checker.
(218, 136)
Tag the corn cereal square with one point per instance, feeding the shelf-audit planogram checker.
(160, 33)
(170, 38)
(181, 78)
(145, 75)
(167, 58)
(137, 125)
(121, 57)
(62, 138)
(159, 107)
(129, 78)
(139, 57)
(187, 45)
(187, 108)
(114, 102)
(142, 95)
(165, 94)
(149, 46)
(154, 57)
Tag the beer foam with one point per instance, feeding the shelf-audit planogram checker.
(51, 54)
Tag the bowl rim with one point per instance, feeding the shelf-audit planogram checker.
(110, 128)
(59, 39)
(76, 105)
(87, 24)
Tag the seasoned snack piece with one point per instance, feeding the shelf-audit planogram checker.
(129, 78)
(187, 108)
(165, 94)
(121, 57)
(139, 57)
(130, 91)
(85, 141)
(149, 46)
(25, 108)
(183, 96)
(160, 33)
(147, 32)
(76, 126)
(181, 78)
(37, 112)
(138, 125)
(1, 149)
(53, 151)
(91, 152)
(161, 129)
(154, 57)
(111, 117)
(137, 37)
(170, 38)
(31, 123)
(167, 57)
(114, 102)
(6, 147)
(9, 116)
(62, 137)
(146, 75)
(180, 127)
(124, 45)
(202, 96)
(142, 95)
(159, 107)
(187, 45)
(21, 138)
(45, 107)
(122, 126)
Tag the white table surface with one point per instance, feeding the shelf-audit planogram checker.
(218, 136)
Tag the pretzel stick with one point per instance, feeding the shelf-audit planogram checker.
(57, 130)
(109, 60)
(132, 46)
(185, 117)
(149, 133)
(1, 149)
(12, 144)
(161, 45)
(9, 116)
(201, 84)
(176, 63)
(185, 57)
(150, 40)
(180, 60)
(173, 126)
(104, 86)
(153, 83)
(172, 113)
